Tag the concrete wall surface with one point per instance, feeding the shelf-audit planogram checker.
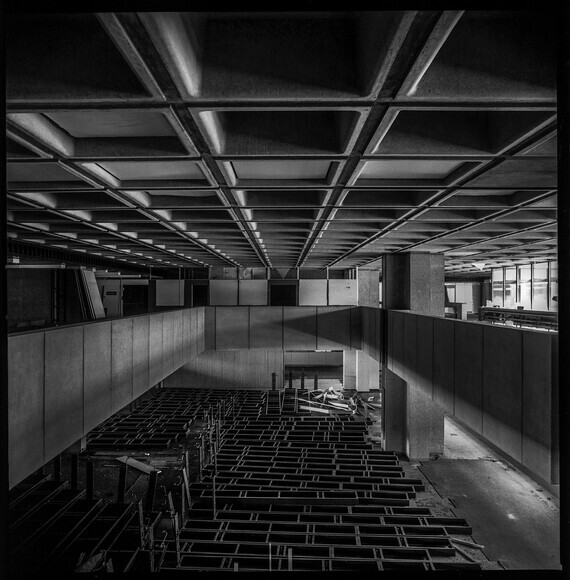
(283, 327)
(63, 382)
(230, 369)
(499, 381)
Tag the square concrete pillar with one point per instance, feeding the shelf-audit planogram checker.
(425, 425)
(367, 372)
(395, 402)
(349, 369)
(413, 423)
(368, 287)
(414, 281)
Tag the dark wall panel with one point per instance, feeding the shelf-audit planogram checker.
(469, 375)
(389, 322)
(424, 354)
(502, 389)
(121, 363)
(97, 374)
(246, 369)
(536, 403)
(300, 327)
(397, 340)
(210, 327)
(409, 349)
(178, 346)
(155, 349)
(266, 327)
(28, 296)
(63, 389)
(168, 342)
(140, 355)
(186, 318)
(396, 400)
(356, 339)
(333, 328)
(63, 382)
(443, 363)
(232, 327)
(25, 405)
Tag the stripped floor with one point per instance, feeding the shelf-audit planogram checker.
(281, 488)
(515, 518)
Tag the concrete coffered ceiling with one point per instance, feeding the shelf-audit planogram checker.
(284, 139)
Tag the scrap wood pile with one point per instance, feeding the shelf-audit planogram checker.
(334, 400)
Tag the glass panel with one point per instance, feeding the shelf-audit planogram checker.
(510, 287)
(524, 285)
(540, 286)
(553, 286)
(497, 286)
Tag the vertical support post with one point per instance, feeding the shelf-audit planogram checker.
(316, 382)
(74, 470)
(186, 461)
(177, 539)
(122, 483)
(89, 479)
(186, 487)
(151, 491)
(151, 550)
(200, 459)
(141, 523)
(289, 559)
(270, 556)
(273, 381)
(290, 379)
(182, 500)
(214, 496)
(302, 378)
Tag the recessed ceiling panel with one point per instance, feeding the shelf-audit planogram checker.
(283, 198)
(38, 172)
(290, 170)
(494, 55)
(16, 151)
(435, 132)
(112, 123)
(282, 55)
(152, 170)
(520, 173)
(263, 132)
(408, 169)
(64, 57)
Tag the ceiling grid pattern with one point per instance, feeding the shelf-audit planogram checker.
(284, 139)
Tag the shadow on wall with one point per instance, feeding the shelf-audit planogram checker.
(238, 369)
(501, 382)
(289, 328)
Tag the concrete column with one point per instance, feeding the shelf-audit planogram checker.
(414, 281)
(367, 372)
(395, 403)
(349, 369)
(413, 423)
(368, 287)
(425, 424)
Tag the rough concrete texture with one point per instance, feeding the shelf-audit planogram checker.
(424, 425)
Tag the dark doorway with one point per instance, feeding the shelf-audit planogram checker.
(135, 299)
(283, 294)
(199, 295)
